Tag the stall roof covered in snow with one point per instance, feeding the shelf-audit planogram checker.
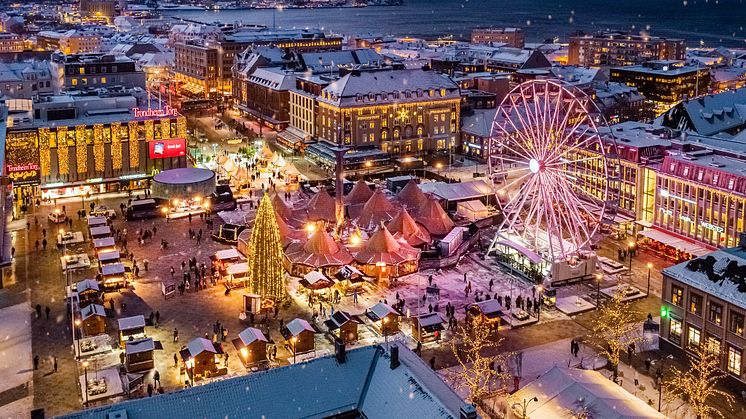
(462, 191)
(559, 390)
(199, 345)
(129, 323)
(100, 231)
(96, 221)
(228, 254)
(87, 284)
(92, 310)
(251, 334)
(113, 269)
(138, 346)
(380, 310)
(364, 385)
(297, 326)
(105, 242)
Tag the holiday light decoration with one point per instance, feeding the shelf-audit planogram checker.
(265, 254)
(552, 203)
(98, 147)
(45, 159)
(614, 329)
(63, 156)
(181, 127)
(165, 128)
(116, 146)
(81, 149)
(134, 141)
(149, 130)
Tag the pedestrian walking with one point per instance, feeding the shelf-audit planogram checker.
(647, 364)
(54, 361)
(176, 360)
(176, 335)
(36, 362)
(157, 378)
(150, 390)
(47, 310)
(38, 311)
(157, 317)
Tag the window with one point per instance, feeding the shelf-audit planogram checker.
(695, 336)
(715, 178)
(677, 295)
(713, 344)
(372, 124)
(384, 135)
(734, 360)
(736, 323)
(103, 80)
(674, 330)
(716, 314)
(419, 130)
(81, 70)
(74, 82)
(695, 304)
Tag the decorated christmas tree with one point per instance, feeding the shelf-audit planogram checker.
(265, 258)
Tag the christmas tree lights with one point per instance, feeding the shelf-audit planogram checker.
(134, 140)
(63, 156)
(116, 146)
(265, 254)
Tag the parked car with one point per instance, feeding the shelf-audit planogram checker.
(57, 217)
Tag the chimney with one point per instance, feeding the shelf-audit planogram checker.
(742, 240)
(340, 351)
(394, 353)
(468, 411)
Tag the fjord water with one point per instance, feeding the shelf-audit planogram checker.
(711, 22)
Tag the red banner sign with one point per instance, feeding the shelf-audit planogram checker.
(159, 149)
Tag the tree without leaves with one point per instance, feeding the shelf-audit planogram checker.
(614, 330)
(697, 385)
(469, 344)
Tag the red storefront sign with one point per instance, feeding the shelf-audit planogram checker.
(159, 149)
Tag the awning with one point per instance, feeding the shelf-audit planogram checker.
(238, 269)
(532, 256)
(675, 242)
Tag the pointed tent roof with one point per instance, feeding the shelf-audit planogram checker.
(382, 247)
(266, 153)
(279, 161)
(322, 207)
(434, 218)
(281, 208)
(405, 226)
(378, 209)
(319, 251)
(412, 196)
(291, 170)
(360, 193)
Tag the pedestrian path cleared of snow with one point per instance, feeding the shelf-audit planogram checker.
(16, 364)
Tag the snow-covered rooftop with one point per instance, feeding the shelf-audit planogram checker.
(297, 326)
(129, 323)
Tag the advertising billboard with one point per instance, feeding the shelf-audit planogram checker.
(159, 149)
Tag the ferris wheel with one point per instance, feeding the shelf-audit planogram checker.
(556, 176)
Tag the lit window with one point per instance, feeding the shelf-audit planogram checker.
(81, 70)
(716, 314)
(736, 323)
(695, 304)
(695, 336)
(674, 331)
(74, 82)
(103, 80)
(713, 344)
(734, 360)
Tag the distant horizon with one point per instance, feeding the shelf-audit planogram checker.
(698, 22)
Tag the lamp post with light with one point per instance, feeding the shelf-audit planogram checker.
(630, 247)
(541, 302)
(524, 406)
(384, 321)
(368, 165)
(85, 379)
(439, 166)
(650, 266)
(295, 349)
(599, 277)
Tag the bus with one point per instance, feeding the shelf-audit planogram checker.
(197, 105)
(142, 208)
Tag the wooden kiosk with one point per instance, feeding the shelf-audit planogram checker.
(251, 345)
(427, 327)
(138, 355)
(344, 326)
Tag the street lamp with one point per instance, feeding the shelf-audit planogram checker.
(526, 402)
(439, 166)
(650, 266)
(77, 324)
(630, 247)
(368, 164)
(85, 377)
(383, 329)
(599, 277)
(541, 301)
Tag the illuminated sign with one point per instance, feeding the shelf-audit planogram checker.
(685, 218)
(157, 113)
(134, 176)
(712, 227)
(160, 149)
(24, 174)
(665, 194)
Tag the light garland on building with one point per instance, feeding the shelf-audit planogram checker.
(134, 140)
(63, 156)
(181, 127)
(149, 130)
(116, 146)
(98, 147)
(265, 259)
(81, 149)
(45, 159)
(165, 128)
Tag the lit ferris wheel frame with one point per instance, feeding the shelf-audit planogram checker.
(557, 178)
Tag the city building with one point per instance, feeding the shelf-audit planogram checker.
(265, 96)
(704, 303)
(622, 49)
(205, 67)
(620, 103)
(512, 37)
(24, 80)
(402, 112)
(476, 132)
(69, 42)
(112, 141)
(362, 382)
(98, 9)
(664, 82)
(92, 71)
(720, 114)
(11, 43)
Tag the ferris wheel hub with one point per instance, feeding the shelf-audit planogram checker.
(534, 166)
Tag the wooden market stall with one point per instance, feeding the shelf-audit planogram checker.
(427, 327)
(88, 292)
(108, 257)
(489, 310)
(201, 358)
(104, 244)
(100, 232)
(344, 326)
(237, 275)
(385, 319)
(93, 319)
(138, 355)
(222, 258)
(251, 345)
(299, 336)
(113, 276)
(131, 328)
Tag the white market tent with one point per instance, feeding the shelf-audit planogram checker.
(472, 210)
(561, 390)
(228, 254)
